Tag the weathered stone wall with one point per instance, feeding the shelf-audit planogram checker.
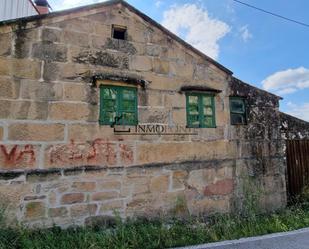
(293, 128)
(260, 149)
(88, 194)
(58, 165)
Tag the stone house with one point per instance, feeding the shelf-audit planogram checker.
(104, 111)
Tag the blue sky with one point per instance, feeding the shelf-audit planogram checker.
(260, 49)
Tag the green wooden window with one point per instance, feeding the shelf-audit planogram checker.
(238, 111)
(118, 105)
(200, 110)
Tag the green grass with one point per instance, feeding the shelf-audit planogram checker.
(158, 234)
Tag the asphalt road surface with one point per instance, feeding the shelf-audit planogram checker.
(291, 240)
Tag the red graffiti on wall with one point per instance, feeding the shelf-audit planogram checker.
(17, 155)
(126, 154)
(97, 152)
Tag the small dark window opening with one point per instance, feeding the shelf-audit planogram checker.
(238, 109)
(119, 32)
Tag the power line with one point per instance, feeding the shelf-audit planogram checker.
(273, 14)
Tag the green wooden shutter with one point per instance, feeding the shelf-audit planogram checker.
(200, 110)
(128, 106)
(108, 104)
(193, 113)
(118, 104)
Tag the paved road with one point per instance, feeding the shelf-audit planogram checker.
(292, 240)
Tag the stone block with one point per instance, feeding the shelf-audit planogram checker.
(209, 134)
(24, 68)
(77, 24)
(179, 117)
(67, 72)
(224, 172)
(181, 69)
(153, 50)
(139, 202)
(179, 179)
(59, 212)
(112, 206)
(72, 198)
(159, 184)
(184, 151)
(51, 71)
(35, 210)
(175, 100)
(49, 51)
(18, 156)
(199, 179)
(75, 92)
(76, 38)
(137, 184)
(138, 32)
(222, 118)
(154, 99)
(23, 110)
(9, 89)
(200, 72)
(161, 66)
(52, 199)
(162, 82)
(36, 132)
(104, 196)
(141, 63)
(83, 210)
(23, 39)
(84, 132)
(51, 35)
(97, 42)
(84, 186)
(73, 111)
(5, 44)
(102, 30)
(109, 185)
(41, 91)
(4, 66)
(153, 115)
(123, 46)
(222, 187)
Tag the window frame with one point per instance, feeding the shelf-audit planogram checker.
(119, 28)
(244, 113)
(119, 109)
(202, 116)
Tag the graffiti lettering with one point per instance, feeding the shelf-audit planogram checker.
(97, 152)
(17, 155)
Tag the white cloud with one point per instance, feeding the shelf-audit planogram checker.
(158, 3)
(288, 81)
(245, 33)
(67, 4)
(196, 26)
(300, 111)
